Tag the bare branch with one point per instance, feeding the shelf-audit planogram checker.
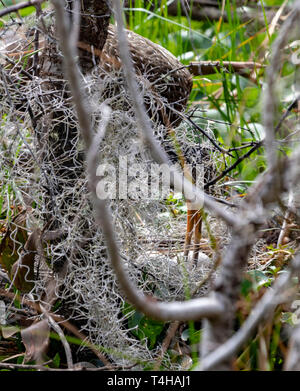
(270, 96)
(266, 191)
(190, 310)
(210, 10)
(292, 362)
(254, 147)
(199, 68)
(189, 190)
(27, 366)
(59, 319)
(17, 7)
(62, 337)
(262, 311)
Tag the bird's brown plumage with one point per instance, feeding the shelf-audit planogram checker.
(166, 76)
(169, 82)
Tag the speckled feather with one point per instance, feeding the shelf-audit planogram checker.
(165, 73)
(170, 83)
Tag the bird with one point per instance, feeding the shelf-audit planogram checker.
(165, 75)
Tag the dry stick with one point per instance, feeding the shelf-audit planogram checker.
(227, 287)
(170, 334)
(43, 368)
(253, 149)
(286, 113)
(207, 136)
(243, 146)
(76, 368)
(190, 310)
(288, 214)
(260, 312)
(27, 366)
(201, 11)
(12, 357)
(61, 335)
(25, 73)
(235, 164)
(17, 7)
(158, 154)
(265, 192)
(270, 186)
(59, 319)
(272, 72)
(35, 63)
(199, 68)
(83, 338)
(216, 264)
(292, 362)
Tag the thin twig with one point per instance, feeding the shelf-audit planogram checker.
(17, 7)
(256, 145)
(59, 319)
(170, 335)
(235, 164)
(208, 137)
(190, 191)
(189, 310)
(27, 366)
(199, 68)
(62, 337)
(260, 312)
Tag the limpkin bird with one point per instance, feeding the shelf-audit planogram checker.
(98, 44)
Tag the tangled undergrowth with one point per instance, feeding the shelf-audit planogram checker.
(45, 196)
(44, 184)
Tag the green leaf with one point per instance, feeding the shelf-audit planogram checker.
(259, 279)
(287, 317)
(251, 96)
(56, 360)
(142, 326)
(246, 287)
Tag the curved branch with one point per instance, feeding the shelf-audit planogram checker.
(17, 7)
(193, 309)
(260, 312)
(270, 97)
(182, 184)
(183, 311)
